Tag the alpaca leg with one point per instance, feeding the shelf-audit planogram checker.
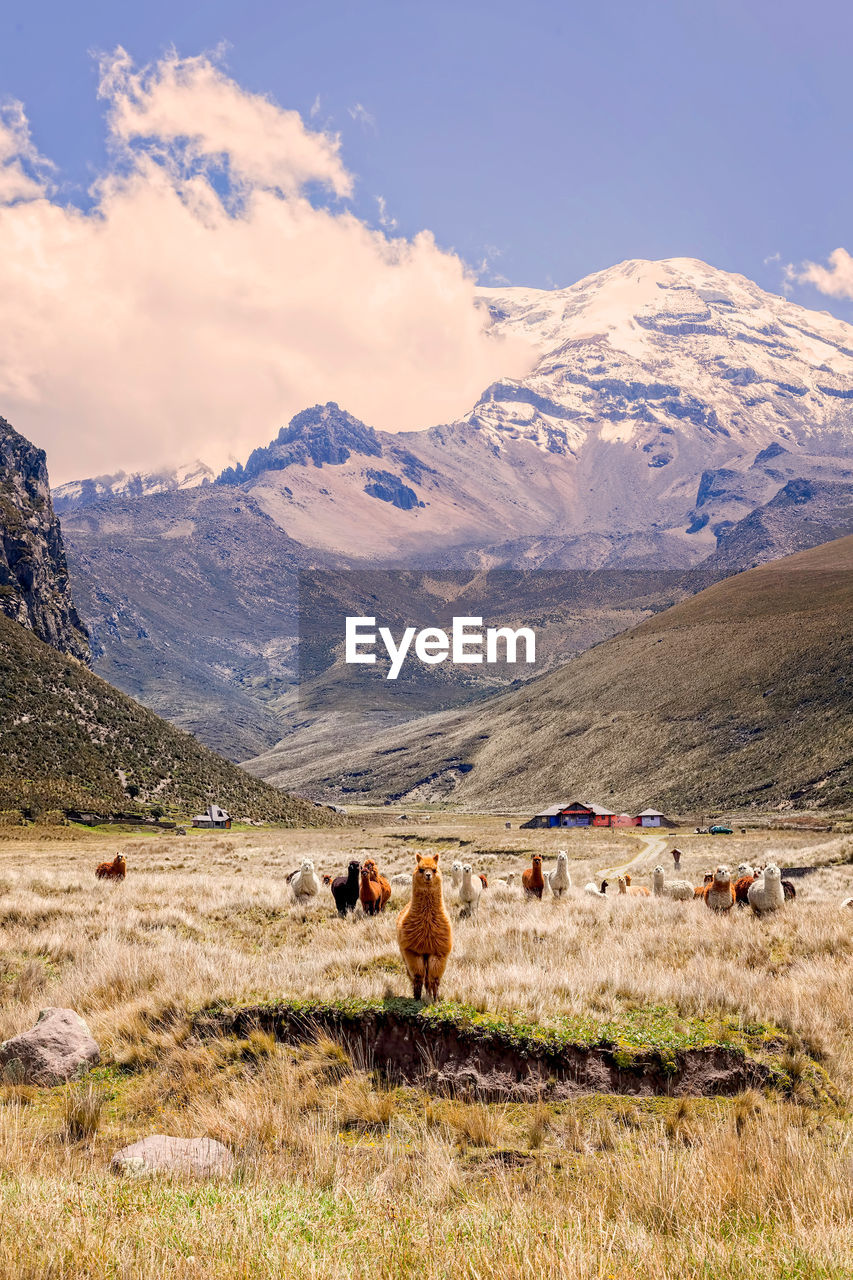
(435, 966)
(416, 966)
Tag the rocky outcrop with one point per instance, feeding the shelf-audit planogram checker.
(322, 435)
(59, 1047)
(34, 586)
(804, 513)
(194, 1157)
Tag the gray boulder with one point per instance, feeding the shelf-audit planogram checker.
(202, 1157)
(59, 1047)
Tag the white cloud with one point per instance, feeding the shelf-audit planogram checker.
(360, 114)
(204, 298)
(835, 280)
(386, 221)
(23, 172)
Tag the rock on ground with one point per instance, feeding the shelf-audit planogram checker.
(203, 1157)
(57, 1048)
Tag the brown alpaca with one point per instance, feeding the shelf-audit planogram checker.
(375, 890)
(424, 934)
(719, 895)
(700, 892)
(634, 890)
(531, 878)
(115, 870)
(742, 890)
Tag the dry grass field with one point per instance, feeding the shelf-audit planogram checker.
(341, 1174)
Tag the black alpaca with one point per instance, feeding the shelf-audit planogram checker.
(345, 890)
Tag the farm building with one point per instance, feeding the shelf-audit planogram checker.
(578, 813)
(574, 813)
(213, 819)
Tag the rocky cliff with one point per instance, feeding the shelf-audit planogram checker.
(34, 586)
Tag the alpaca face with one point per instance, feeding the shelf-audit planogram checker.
(658, 871)
(355, 867)
(772, 874)
(427, 868)
(537, 860)
(466, 868)
(722, 875)
(307, 865)
(562, 858)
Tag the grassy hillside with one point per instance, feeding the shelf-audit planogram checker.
(740, 695)
(68, 740)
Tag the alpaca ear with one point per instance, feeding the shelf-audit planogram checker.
(437, 857)
(419, 858)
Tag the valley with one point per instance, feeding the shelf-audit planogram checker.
(678, 420)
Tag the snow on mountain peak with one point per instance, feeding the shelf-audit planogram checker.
(673, 345)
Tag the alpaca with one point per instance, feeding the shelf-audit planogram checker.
(345, 889)
(469, 891)
(305, 884)
(744, 869)
(531, 878)
(424, 934)
(115, 870)
(511, 878)
(719, 895)
(767, 894)
(559, 880)
(456, 875)
(700, 891)
(679, 890)
(632, 890)
(374, 890)
(593, 890)
(742, 889)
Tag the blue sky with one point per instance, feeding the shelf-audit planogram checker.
(547, 139)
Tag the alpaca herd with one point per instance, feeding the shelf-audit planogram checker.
(762, 889)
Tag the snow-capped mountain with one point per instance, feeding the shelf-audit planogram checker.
(673, 412)
(83, 493)
(675, 347)
(668, 400)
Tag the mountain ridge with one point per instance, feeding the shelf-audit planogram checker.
(740, 695)
(34, 584)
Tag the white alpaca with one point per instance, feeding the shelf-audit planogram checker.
(456, 874)
(511, 878)
(469, 891)
(593, 890)
(680, 890)
(558, 879)
(305, 884)
(767, 894)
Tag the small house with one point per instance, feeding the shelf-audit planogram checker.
(575, 813)
(650, 818)
(549, 817)
(214, 819)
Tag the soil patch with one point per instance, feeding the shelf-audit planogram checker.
(456, 1051)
